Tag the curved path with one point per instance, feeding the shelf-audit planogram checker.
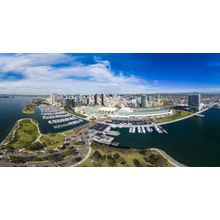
(84, 159)
(189, 116)
(168, 157)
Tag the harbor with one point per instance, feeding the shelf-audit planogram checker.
(102, 133)
(57, 117)
(193, 141)
(147, 129)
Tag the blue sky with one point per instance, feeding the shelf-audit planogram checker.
(109, 73)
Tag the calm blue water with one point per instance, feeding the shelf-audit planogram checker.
(194, 141)
(11, 111)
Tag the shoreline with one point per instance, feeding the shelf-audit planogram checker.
(168, 157)
(189, 116)
(14, 129)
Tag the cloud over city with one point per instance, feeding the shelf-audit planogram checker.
(64, 73)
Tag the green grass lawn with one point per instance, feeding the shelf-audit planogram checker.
(52, 141)
(179, 114)
(25, 135)
(104, 156)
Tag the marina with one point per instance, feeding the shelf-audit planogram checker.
(57, 117)
(193, 141)
(148, 129)
(102, 133)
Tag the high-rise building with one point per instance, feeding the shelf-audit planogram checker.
(144, 101)
(194, 102)
(158, 97)
(53, 98)
(66, 102)
(102, 99)
(85, 100)
(79, 98)
(96, 99)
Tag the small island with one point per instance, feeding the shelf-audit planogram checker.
(29, 108)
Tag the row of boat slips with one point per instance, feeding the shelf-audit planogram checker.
(105, 129)
(49, 117)
(144, 130)
(62, 120)
(103, 139)
(58, 118)
(49, 109)
(75, 122)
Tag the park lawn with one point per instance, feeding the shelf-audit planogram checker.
(178, 115)
(126, 157)
(25, 134)
(52, 141)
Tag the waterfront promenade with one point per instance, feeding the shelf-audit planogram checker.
(162, 123)
(189, 116)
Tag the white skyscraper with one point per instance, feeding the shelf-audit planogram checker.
(53, 98)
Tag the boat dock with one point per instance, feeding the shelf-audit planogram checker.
(57, 117)
(147, 129)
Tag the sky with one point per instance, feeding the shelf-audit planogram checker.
(40, 74)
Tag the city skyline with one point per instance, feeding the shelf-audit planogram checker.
(109, 73)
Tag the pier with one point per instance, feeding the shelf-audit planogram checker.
(200, 115)
(147, 129)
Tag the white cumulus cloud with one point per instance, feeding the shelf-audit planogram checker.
(43, 74)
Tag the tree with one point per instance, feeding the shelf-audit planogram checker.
(137, 163)
(116, 156)
(97, 155)
(37, 146)
(111, 160)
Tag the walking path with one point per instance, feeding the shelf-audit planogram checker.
(13, 134)
(169, 158)
(189, 116)
(84, 159)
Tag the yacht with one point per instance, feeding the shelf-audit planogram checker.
(157, 129)
(149, 129)
(143, 130)
(163, 129)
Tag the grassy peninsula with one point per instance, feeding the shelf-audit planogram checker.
(25, 134)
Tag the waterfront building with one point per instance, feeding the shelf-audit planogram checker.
(144, 101)
(53, 98)
(194, 102)
(125, 112)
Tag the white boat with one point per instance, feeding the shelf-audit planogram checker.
(143, 130)
(134, 130)
(139, 129)
(157, 129)
(130, 130)
(149, 129)
(163, 129)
